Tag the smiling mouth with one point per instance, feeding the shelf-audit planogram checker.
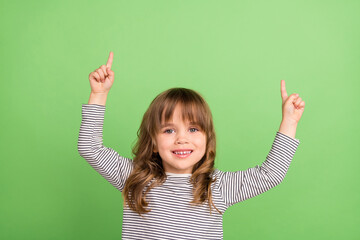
(182, 154)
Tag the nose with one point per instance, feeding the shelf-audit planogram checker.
(181, 138)
(181, 141)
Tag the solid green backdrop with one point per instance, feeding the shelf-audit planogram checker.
(234, 53)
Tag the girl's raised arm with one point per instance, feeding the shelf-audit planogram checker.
(107, 162)
(241, 185)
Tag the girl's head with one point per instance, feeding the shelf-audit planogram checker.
(177, 121)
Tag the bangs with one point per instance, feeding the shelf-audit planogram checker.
(189, 113)
(193, 110)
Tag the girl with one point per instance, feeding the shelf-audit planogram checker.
(171, 189)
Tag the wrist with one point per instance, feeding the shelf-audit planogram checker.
(289, 122)
(288, 128)
(98, 98)
(98, 93)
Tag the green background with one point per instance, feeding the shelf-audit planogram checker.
(234, 53)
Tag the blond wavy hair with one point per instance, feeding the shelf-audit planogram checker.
(147, 165)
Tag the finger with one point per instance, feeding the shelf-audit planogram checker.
(92, 77)
(302, 104)
(297, 102)
(103, 68)
(292, 98)
(102, 75)
(110, 60)
(95, 76)
(111, 74)
(283, 90)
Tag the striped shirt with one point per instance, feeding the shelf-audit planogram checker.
(171, 215)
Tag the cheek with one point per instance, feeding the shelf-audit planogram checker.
(163, 142)
(201, 142)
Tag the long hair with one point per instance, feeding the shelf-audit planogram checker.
(148, 170)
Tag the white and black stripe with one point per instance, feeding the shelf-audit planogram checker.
(172, 216)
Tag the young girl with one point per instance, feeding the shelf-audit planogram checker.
(171, 189)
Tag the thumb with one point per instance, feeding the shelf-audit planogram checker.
(292, 98)
(111, 73)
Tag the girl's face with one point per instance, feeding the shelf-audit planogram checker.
(180, 144)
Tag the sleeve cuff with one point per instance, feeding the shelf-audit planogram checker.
(93, 111)
(294, 141)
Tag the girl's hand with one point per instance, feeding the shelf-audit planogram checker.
(292, 106)
(102, 78)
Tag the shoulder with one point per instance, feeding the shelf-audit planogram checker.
(217, 175)
(223, 178)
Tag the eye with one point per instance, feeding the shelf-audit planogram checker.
(194, 129)
(167, 130)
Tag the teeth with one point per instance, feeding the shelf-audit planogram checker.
(182, 153)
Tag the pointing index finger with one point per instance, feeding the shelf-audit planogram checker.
(110, 60)
(283, 90)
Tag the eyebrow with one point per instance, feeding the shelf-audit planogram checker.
(171, 125)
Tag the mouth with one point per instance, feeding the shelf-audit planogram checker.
(182, 154)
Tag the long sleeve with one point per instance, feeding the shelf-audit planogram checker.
(107, 162)
(241, 185)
